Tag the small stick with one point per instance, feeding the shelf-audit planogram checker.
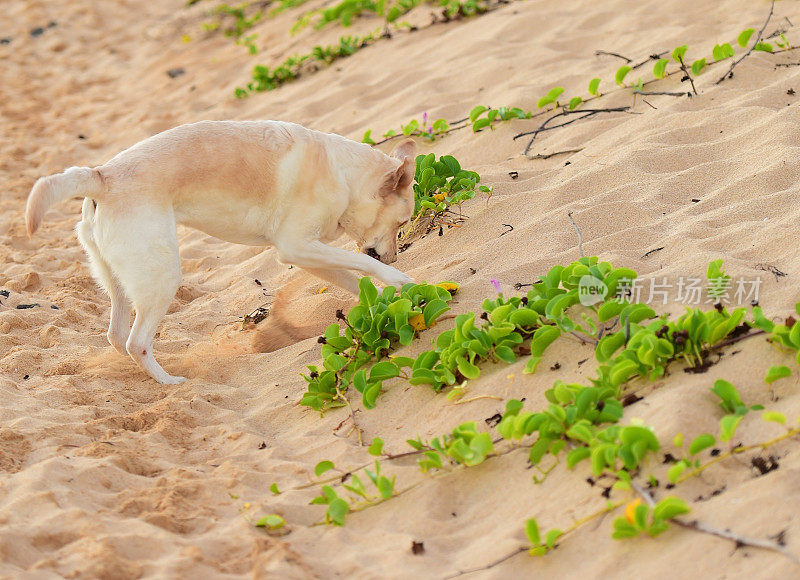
(603, 52)
(746, 54)
(580, 237)
(667, 93)
(476, 398)
(549, 155)
(736, 339)
(653, 251)
(688, 76)
(736, 538)
(487, 566)
(649, 58)
(584, 114)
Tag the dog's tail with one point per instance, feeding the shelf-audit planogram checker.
(74, 182)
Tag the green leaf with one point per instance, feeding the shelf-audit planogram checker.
(574, 103)
(608, 346)
(440, 126)
(622, 72)
(728, 425)
(382, 371)
(386, 487)
(466, 368)
(505, 354)
(532, 531)
(274, 489)
(368, 294)
(679, 53)
(761, 321)
(551, 97)
(376, 448)
(730, 398)
(722, 51)
(273, 522)
(477, 112)
(433, 310)
(776, 372)
(623, 529)
(370, 395)
(551, 537)
(701, 442)
(670, 507)
(524, 318)
(698, 66)
(774, 416)
(763, 47)
(360, 380)
(367, 139)
(594, 84)
(674, 473)
(403, 361)
(337, 510)
(660, 68)
(410, 128)
(480, 124)
(744, 36)
(640, 516)
(322, 467)
(577, 455)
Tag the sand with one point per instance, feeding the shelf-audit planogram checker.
(106, 474)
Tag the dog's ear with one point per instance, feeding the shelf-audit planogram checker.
(405, 149)
(403, 176)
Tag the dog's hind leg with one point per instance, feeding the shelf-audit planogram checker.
(119, 327)
(143, 253)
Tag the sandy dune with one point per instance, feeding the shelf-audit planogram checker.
(106, 474)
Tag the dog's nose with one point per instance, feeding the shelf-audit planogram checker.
(372, 253)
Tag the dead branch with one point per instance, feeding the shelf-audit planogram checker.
(578, 231)
(545, 126)
(687, 75)
(725, 534)
(604, 52)
(667, 93)
(729, 73)
(487, 566)
(549, 155)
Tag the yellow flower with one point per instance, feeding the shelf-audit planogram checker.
(451, 287)
(630, 509)
(439, 197)
(321, 290)
(417, 322)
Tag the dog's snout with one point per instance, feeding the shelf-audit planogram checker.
(372, 253)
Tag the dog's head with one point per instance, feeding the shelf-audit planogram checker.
(376, 220)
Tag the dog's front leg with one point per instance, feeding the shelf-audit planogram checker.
(341, 278)
(317, 256)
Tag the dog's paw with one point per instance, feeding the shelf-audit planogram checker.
(398, 280)
(170, 380)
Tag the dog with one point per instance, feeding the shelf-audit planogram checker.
(259, 183)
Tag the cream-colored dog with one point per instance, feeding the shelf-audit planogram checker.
(258, 183)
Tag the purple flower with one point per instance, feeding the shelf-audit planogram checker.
(496, 285)
(424, 118)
